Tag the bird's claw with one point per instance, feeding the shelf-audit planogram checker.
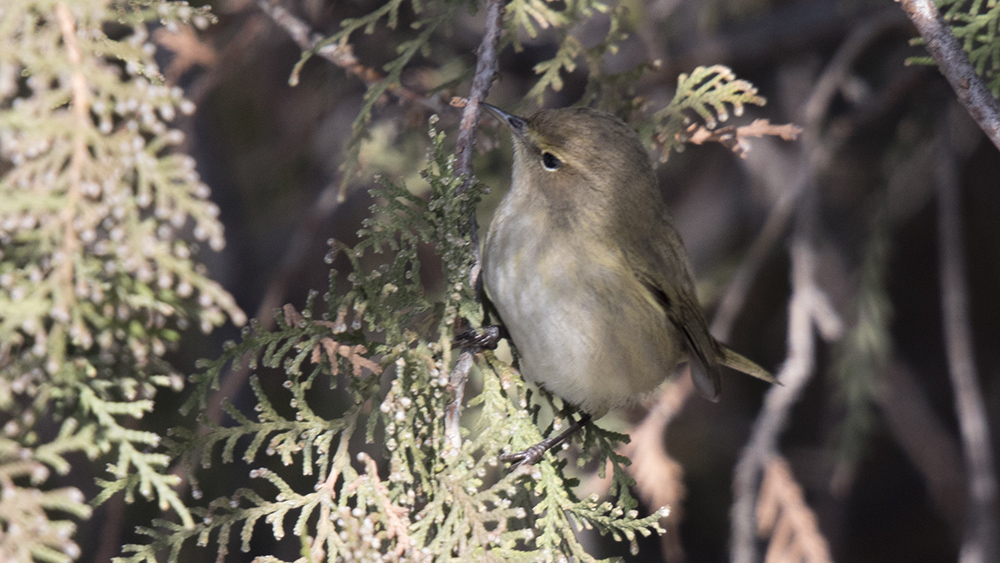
(485, 338)
(529, 456)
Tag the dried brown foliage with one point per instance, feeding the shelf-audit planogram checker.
(735, 138)
(784, 516)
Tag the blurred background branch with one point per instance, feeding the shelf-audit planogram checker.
(981, 541)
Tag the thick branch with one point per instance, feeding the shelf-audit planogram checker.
(955, 66)
(981, 534)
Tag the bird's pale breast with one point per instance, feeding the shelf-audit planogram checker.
(585, 328)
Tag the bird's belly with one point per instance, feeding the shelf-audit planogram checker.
(583, 329)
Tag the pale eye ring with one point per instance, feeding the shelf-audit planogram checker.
(550, 161)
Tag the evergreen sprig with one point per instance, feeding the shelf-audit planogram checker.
(426, 498)
(708, 93)
(97, 276)
(526, 14)
(26, 513)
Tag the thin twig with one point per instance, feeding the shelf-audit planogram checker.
(340, 54)
(980, 543)
(453, 412)
(955, 66)
(482, 81)
(837, 70)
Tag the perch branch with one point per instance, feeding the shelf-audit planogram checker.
(482, 81)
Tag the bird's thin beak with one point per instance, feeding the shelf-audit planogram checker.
(516, 124)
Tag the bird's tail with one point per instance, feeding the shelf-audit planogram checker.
(737, 362)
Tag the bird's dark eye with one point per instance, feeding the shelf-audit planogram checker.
(550, 162)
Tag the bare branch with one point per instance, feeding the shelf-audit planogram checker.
(981, 532)
(453, 412)
(486, 70)
(809, 306)
(340, 54)
(482, 81)
(794, 375)
(955, 66)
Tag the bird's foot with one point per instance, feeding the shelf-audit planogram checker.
(534, 454)
(529, 456)
(486, 338)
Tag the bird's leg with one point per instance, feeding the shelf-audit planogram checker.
(486, 338)
(533, 454)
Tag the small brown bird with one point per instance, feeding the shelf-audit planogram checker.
(588, 274)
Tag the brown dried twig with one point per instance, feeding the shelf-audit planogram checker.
(188, 49)
(735, 138)
(784, 516)
(333, 350)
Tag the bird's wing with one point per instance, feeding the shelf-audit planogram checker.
(702, 348)
(665, 272)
